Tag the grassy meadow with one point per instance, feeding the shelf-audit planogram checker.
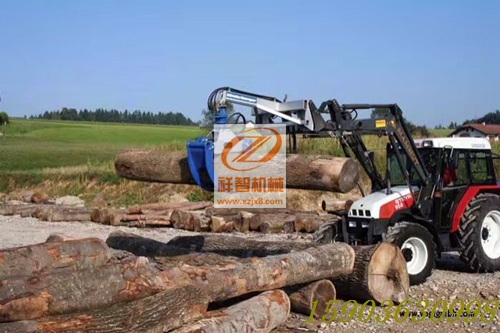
(76, 158)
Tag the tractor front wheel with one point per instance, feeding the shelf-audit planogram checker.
(418, 247)
(479, 233)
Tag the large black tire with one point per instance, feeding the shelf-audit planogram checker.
(475, 233)
(418, 247)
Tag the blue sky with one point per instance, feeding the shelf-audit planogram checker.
(440, 60)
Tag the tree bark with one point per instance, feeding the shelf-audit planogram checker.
(162, 312)
(312, 172)
(236, 246)
(220, 244)
(223, 277)
(379, 273)
(303, 300)
(262, 313)
(53, 256)
(32, 297)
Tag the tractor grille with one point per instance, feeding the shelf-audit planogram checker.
(361, 212)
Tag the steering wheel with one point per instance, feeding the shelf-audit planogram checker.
(237, 116)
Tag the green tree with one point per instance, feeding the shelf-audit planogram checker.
(4, 118)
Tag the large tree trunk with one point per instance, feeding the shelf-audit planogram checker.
(53, 256)
(162, 312)
(315, 296)
(220, 244)
(211, 211)
(223, 277)
(311, 172)
(262, 313)
(379, 273)
(31, 297)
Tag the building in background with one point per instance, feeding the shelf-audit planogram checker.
(488, 131)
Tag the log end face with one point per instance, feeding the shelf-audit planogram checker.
(388, 274)
(349, 176)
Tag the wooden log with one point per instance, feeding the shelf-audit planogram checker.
(220, 244)
(146, 220)
(310, 224)
(53, 256)
(32, 297)
(289, 227)
(273, 223)
(316, 294)
(242, 222)
(211, 211)
(379, 273)
(303, 171)
(336, 205)
(262, 313)
(236, 246)
(184, 220)
(169, 206)
(258, 219)
(223, 277)
(220, 224)
(107, 216)
(162, 312)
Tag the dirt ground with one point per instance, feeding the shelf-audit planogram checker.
(450, 282)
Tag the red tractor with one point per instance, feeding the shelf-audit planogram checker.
(438, 195)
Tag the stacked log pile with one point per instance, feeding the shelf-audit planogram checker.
(135, 284)
(189, 216)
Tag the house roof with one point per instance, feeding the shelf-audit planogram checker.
(487, 129)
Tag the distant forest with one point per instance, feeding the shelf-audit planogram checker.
(115, 116)
(489, 118)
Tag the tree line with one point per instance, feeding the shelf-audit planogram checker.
(115, 116)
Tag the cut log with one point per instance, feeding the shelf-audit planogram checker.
(379, 273)
(313, 296)
(162, 312)
(242, 222)
(211, 211)
(312, 172)
(107, 216)
(336, 205)
(32, 297)
(262, 313)
(185, 220)
(289, 227)
(53, 256)
(220, 244)
(223, 277)
(236, 246)
(169, 206)
(220, 224)
(273, 223)
(148, 220)
(310, 224)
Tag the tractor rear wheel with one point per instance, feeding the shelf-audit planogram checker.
(418, 247)
(479, 233)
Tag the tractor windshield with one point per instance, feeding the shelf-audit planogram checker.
(398, 178)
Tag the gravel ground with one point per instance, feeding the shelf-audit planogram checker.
(450, 282)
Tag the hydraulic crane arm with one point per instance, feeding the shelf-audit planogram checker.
(349, 128)
(301, 113)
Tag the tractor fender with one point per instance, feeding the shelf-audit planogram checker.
(467, 196)
(406, 215)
